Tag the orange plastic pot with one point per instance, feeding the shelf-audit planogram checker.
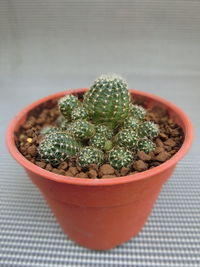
(102, 213)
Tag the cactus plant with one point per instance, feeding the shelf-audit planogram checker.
(90, 155)
(79, 113)
(120, 157)
(88, 130)
(131, 122)
(127, 138)
(58, 147)
(137, 111)
(104, 130)
(148, 129)
(108, 100)
(82, 129)
(100, 141)
(66, 104)
(146, 145)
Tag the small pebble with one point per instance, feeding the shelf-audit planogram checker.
(107, 169)
(163, 156)
(40, 164)
(32, 150)
(170, 142)
(108, 176)
(73, 170)
(63, 165)
(140, 165)
(81, 175)
(124, 171)
(143, 156)
(92, 174)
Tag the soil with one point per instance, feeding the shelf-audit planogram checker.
(167, 143)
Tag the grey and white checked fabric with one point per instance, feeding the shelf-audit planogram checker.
(47, 46)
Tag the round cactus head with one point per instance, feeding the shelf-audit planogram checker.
(82, 129)
(104, 130)
(66, 104)
(90, 155)
(148, 129)
(108, 100)
(146, 145)
(48, 130)
(127, 138)
(58, 147)
(131, 122)
(138, 112)
(100, 141)
(79, 113)
(120, 157)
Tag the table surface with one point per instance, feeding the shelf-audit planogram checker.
(47, 46)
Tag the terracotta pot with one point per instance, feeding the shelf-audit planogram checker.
(102, 213)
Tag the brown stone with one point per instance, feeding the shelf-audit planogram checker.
(63, 165)
(68, 173)
(158, 150)
(49, 167)
(140, 165)
(32, 150)
(170, 142)
(92, 174)
(108, 176)
(143, 156)
(73, 170)
(163, 136)
(82, 175)
(107, 169)
(163, 156)
(41, 164)
(159, 142)
(124, 171)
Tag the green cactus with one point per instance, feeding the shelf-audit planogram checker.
(108, 100)
(79, 113)
(48, 130)
(137, 112)
(127, 138)
(104, 130)
(66, 104)
(120, 157)
(146, 145)
(100, 141)
(90, 155)
(58, 147)
(131, 122)
(148, 129)
(82, 129)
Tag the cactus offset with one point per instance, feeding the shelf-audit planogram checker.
(58, 147)
(90, 155)
(137, 112)
(108, 100)
(100, 141)
(79, 113)
(104, 130)
(131, 122)
(82, 129)
(148, 129)
(66, 104)
(120, 157)
(146, 145)
(127, 138)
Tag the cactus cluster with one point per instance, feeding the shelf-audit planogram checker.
(105, 127)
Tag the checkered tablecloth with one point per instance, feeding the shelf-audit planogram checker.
(47, 46)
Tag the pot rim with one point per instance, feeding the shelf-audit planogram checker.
(188, 131)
